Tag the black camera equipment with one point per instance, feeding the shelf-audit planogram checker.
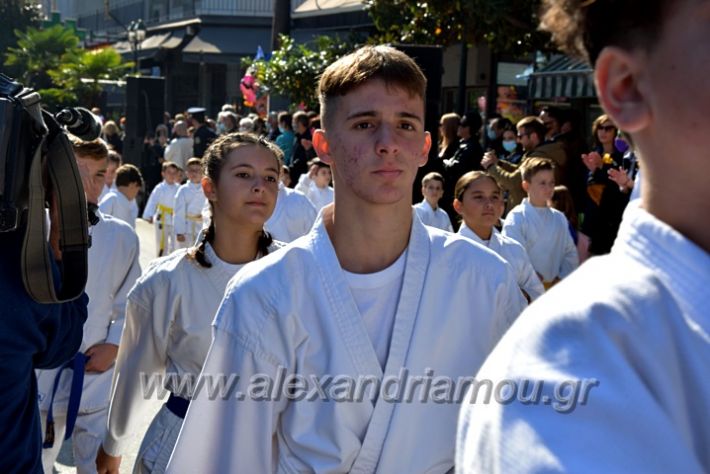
(32, 139)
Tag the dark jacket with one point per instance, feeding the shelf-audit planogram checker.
(32, 336)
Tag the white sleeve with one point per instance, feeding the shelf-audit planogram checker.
(170, 150)
(106, 204)
(304, 185)
(142, 355)
(121, 294)
(308, 214)
(152, 203)
(570, 259)
(527, 278)
(180, 213)
(513, 227)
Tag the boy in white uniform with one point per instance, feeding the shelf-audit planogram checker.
(635, 321)
(121, 201)
(294, 214)
(385, 298)
(542, 230)
(316, 184)
(189, 202)
(113, 268)
(161, 206)
(428, 210)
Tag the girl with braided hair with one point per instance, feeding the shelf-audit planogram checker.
(171, 308)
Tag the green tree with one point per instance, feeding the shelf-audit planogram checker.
(16, 15)
(508, 26)
(40, 51)
(63, 73)
(83, 75)
(294, 69)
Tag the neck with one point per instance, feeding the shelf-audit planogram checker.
(235, 243)
(608, 148)
(537, 203)
(122, 190)
(372, 247)
(482, 231)
(434, 205)
(687, 205)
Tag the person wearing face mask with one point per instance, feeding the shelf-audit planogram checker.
(226, 122)
(286, 138)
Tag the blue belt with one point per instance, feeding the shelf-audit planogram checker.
(177, 405)
(77, 382)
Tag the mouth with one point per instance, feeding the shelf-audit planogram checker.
(256, 203)
(388, 173)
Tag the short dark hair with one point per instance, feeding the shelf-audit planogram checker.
(285, 119)
(532, 124)
(392, 66)
(302, 118)
(127, 174)
(584, 27)
(534, 165)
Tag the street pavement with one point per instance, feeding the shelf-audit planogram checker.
(65, 460)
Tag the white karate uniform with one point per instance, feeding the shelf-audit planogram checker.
(113, 268)
(544, 233)
(320, 197)
(456, 301)
(515, 255)
(167, 331)
(116, 204)
(293, 215)
(637, 321)
(189, 202)
(161, 207)
(179, 151)
(435, 218)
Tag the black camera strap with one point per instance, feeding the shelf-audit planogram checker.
(74, 239)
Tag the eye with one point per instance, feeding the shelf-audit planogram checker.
(271, 179)
(407, 126)
(242, 174)
(363, 125)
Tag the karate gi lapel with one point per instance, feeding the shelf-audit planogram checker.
(535, 223)
(344, 310)
(407, 311)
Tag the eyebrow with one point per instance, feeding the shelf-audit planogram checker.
(372, 113)
(247, 165)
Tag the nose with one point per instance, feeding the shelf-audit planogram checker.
(387, 141)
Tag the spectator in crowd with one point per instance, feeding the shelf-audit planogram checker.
(112, 136)
(181, 146)
(286, 139)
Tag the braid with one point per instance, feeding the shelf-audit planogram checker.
(198, 252)
(265, 241)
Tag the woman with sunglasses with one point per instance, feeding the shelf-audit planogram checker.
(605, 203)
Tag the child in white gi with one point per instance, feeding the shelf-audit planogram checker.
(172, 306)
(316, 184)
(189, 202)
(428, 210)
(369, 294)
(161, 206)
(112, 269)
(621, 348)
(294, 214)
(121, 201)
(479, 201)
(543, 231)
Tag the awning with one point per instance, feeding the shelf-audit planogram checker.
(152, 44)
(563, 77)
(223, 45)
(327, 7)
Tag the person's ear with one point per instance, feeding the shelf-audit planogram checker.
(620, 86)
(526, 186)
(322, 147)
(458, 206)
(425, 149)
(209, 189)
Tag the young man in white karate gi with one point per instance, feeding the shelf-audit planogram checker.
(540, 229)
(631, 327)
(428, 210)
(189, 202)
(113, 269)
(370, 294)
